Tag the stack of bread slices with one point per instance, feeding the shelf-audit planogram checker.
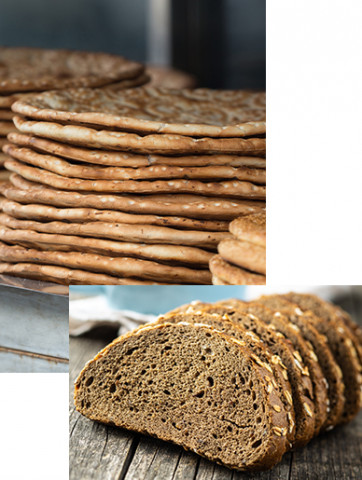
(24, 70)
(241, 259)
(133, 186)
(238, 383)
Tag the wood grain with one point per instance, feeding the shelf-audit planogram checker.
(34, 322)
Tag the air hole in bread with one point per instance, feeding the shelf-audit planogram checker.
(256, 444)
(200, 394)
(112, 388)
(131, 351)
(308, 394)
(89, 381)
(211, 381)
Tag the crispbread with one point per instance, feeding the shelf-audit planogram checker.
(170, 77)
(233, 188)
(243, 254)
(6, 114)
(217, 281)
(156, 143)
(65, 276)
(79, 215)
(7, 100)
(3, 159)
(32, 69)
(234, 275)
(251, 228)
(128, 83)
(121, 232)
(4, 174)
(6, 127)
(193, 206)
(119, 267)
(70, 169)
(124, 159)
(159, 253)
(199, 112)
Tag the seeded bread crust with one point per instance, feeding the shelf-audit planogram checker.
(357, 330)
(312, 338)
(341, 342)
(354, 331)
(98, 383)
(254, 343)
(299, 376)
(280, 346)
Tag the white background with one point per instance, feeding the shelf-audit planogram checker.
(34, 426)
(314, 106)
(314, 131)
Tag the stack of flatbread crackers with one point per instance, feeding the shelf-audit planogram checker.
(241, 259)
(135, 186)
(24, 70)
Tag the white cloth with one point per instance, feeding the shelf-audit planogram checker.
(90, 312)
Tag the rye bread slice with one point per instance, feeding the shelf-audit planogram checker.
(191, 385)
(318, 348)
(255, 317)
(256, 345)
(342, 344)
(278, 344)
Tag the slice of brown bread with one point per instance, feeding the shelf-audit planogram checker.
(278, 344)
(191, 385)
(255, 317)
(252, 341)
(356, 329)
(325, 310)
(318, 348)
(341, 342)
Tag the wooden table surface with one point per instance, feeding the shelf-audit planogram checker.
(34, 333)
(106, 453)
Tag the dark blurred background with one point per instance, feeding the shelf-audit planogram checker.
(221, 42)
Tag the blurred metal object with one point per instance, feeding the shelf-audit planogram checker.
(159, 32)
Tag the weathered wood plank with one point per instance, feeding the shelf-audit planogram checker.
(187, 466)
(15, 362)
(97, 451)
(34, 322)
(334, 455)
